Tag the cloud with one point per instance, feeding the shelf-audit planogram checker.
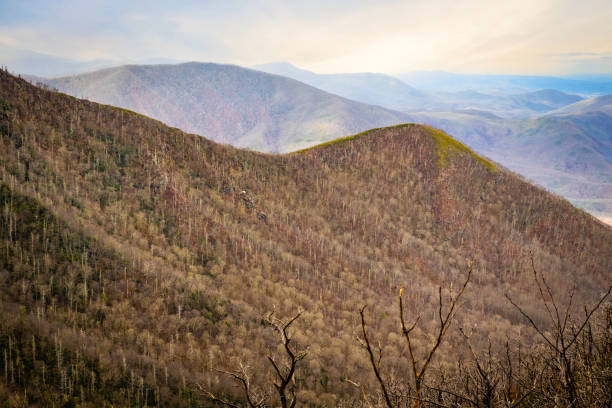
(522, 36)
(583, 55)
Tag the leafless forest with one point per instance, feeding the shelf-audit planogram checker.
(143, 266)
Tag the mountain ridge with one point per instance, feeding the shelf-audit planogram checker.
(247, 109)
(228, 103)
(568, 151)
(393, 93)
(367, 87)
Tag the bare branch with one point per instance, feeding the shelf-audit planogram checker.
(375, 366)
(243, 378)
(535, 326)
(588, 317)
(285, 377)
(461, 397)
(445, 321)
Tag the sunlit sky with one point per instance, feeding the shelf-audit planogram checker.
(472, 36)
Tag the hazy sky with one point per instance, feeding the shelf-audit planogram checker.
(472, 36)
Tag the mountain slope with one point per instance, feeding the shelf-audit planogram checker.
(600, 104)
(268, 113)
(517, 106)
(372, 88)
(549, 98)
(136, 258)
(568, 152)
(229, 104)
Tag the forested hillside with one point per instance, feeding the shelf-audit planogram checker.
(136, 260)
(568, 152)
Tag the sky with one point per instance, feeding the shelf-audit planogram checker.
(544, 37)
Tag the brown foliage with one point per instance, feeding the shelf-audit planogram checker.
(143, 248)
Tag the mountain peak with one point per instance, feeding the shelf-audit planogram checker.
(445, 146)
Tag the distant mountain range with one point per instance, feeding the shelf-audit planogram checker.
(451, 82)
(376, 89)
(392, 93)
(569, 151)
(600, 104)
(230, 104)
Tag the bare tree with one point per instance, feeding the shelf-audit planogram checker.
(419, 366)
(490, 382)
(284, 371)
(564, 333)
(254, 398)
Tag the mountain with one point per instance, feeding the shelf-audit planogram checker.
(451, 82)
(135, 259)
(269, 113)
(569, 152)
(372, 88)
(230, 104)
(391, 93)
(570, 156)
(549, 98)
(599, 104)
(515, 106)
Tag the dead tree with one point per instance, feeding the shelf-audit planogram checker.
(284, 371)
(419, 366)
(491, 382)
(254, 398)
(564, 334)
(485, 377)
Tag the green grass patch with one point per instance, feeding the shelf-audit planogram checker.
(351, 137)
(448, 145)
